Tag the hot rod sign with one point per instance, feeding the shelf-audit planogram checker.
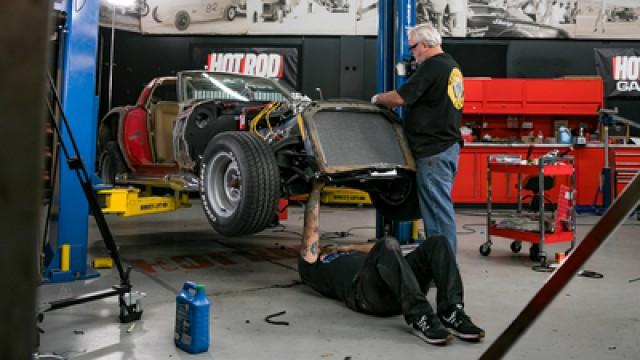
(620, 69)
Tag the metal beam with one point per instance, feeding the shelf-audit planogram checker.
(23, 42)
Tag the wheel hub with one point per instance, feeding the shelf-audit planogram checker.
(225, 184)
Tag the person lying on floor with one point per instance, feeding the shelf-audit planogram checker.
(376, 279)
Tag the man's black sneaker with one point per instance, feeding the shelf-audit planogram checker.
(429, 329)
(460, 325)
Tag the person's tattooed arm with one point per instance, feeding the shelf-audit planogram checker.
(310, 249)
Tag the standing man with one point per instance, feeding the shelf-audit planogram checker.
(376, 279)
(434, 96)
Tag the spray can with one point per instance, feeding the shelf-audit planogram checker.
(192, 319)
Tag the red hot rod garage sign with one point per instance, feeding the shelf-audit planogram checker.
(620, 70)
(280, 63)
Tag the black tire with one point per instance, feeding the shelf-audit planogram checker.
(400, 205)
(182, 20)
(516, 246)
(240, 183)
(111, 163)
(230, 13)
(485, 249)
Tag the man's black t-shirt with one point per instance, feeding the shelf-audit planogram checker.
(434, 95)
(333, 276)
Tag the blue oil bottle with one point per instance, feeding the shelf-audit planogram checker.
(192, 319)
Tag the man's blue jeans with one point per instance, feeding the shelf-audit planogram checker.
(435, 175)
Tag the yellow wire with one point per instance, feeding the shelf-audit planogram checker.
(256, 119)
(264, 113)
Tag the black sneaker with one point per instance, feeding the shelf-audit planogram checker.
(460, 325)
(429, 329)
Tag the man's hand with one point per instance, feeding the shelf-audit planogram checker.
(389, 99)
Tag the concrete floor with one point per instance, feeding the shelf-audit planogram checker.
(251, 277)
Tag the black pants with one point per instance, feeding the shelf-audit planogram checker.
(391, 284)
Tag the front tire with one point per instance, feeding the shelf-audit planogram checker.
(240, 183)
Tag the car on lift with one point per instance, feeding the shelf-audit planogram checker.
(244, 142)
(185, 13)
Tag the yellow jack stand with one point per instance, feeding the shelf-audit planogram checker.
(128, 202)
(339, 196)
(344, 196)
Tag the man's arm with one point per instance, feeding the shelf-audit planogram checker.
(389, 99)
(332, 249)
(310, 249)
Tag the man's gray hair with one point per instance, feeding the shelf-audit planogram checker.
(427, 34)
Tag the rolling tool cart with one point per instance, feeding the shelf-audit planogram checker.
(534, 227)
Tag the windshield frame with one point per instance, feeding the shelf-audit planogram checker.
(182, 84)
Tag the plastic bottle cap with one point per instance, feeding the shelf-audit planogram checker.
(200, 287)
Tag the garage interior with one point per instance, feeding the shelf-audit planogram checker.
(258, 306)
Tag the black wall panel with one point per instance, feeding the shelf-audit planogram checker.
(321, 68)
(351, 64)
(485, 58)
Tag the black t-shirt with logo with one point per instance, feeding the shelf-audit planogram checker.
(434, 95)
(333, 276)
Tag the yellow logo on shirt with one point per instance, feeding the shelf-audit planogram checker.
(456, 88)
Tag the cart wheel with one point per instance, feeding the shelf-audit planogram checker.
(534, 251)
(516, 246)
(485, 249)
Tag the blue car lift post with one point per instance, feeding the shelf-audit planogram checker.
(79, 59)
(77, 195)
(396, 17)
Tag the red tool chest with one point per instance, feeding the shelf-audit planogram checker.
(511, 109)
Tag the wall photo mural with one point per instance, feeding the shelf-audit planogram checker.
(560, 19)
(550, 19)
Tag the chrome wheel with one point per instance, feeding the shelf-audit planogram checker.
(225, 182)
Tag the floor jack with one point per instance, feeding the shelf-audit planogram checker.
(130, 308)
